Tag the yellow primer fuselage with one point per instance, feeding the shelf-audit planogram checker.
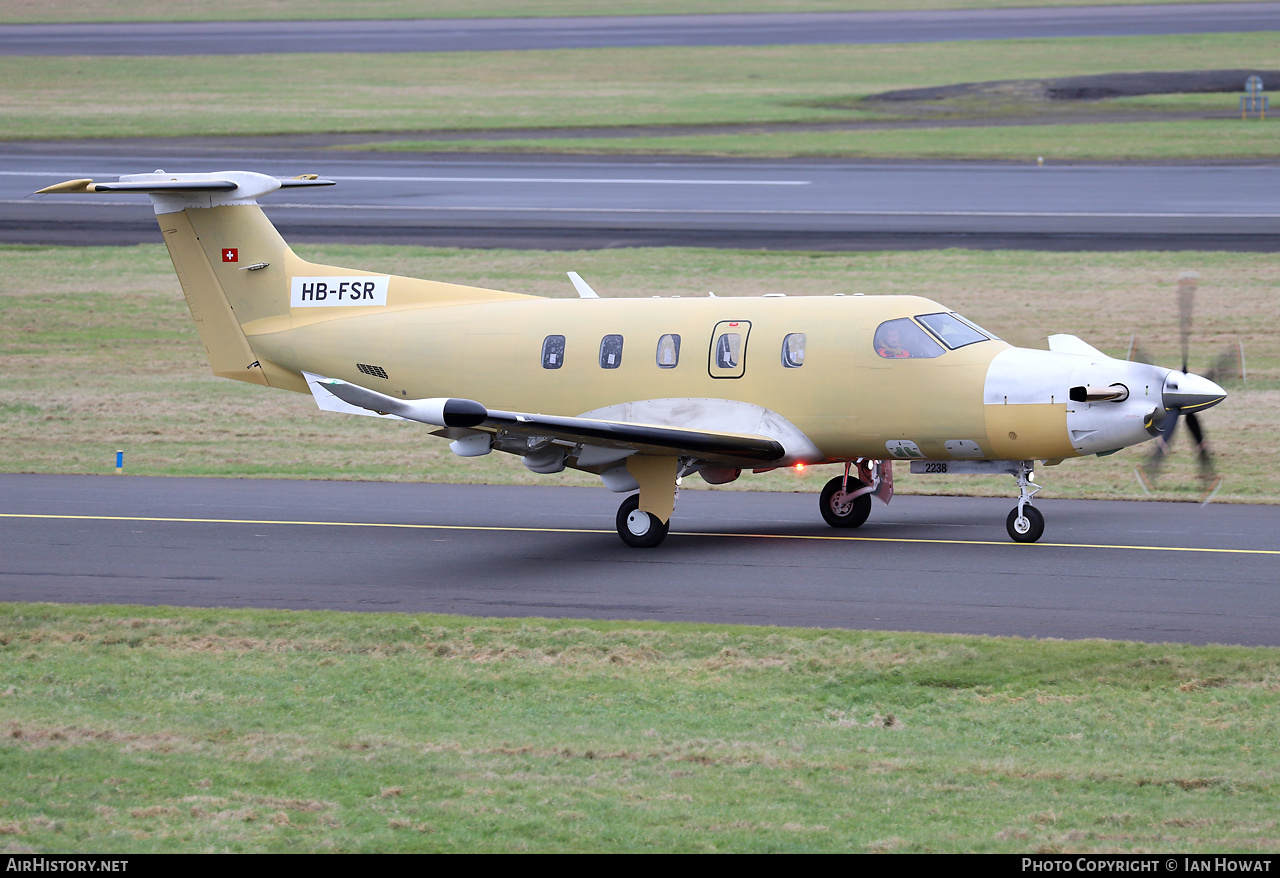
(434, 339)
(845, 398)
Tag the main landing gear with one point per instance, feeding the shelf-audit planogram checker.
(658, 479)
(639, 529)
(845, 501)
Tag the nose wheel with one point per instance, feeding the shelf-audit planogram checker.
(1025, 526)
(639, 529)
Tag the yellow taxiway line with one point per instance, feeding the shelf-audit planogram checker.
(569, 530)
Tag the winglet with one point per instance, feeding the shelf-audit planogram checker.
(583, 288)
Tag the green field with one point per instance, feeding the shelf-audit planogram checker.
(396, 98)
(134, 730)
(1117, 141)
(276, 10)
(100, 354)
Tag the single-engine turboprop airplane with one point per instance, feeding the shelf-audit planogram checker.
(644, 392)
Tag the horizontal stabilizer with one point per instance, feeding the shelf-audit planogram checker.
(246, 185)
(439, 412)
(81, 186)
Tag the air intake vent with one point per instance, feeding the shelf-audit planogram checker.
(376, 371)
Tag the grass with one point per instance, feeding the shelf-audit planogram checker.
(100, 354)
(142, 730)
(1115, 141)
(105, 97)
(299, 10)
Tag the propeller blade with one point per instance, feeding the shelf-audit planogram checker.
(1183, 396)
(1203, 456)
(1138, 355)
(1150, 471)
(1187, 283)
(1228, 365)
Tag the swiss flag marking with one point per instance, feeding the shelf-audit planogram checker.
(230, 254)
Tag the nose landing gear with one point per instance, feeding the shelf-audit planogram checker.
(1025, 524)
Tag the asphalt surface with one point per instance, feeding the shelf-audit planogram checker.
(452, 35)
(558, 202)
(1156, 572)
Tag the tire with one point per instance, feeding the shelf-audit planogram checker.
(630, 520)
(1029, 529)
(840, 511)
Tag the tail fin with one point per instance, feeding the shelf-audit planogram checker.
(239, 276)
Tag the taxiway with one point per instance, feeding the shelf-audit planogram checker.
(1133, 571)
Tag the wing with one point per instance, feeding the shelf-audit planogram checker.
(726, 449)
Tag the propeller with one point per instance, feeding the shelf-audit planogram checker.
(1185, 396)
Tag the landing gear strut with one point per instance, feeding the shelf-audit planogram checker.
(1025, 523)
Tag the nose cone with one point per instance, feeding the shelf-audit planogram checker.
(1190, 393)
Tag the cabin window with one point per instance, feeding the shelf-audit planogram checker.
(728, 350)
(793, 350)
(953, 332)
(901, 339)
(728, 355)
(611, 352)
(668, 351)
(553, 352)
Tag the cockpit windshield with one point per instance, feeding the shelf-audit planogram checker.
(901, 339)
(988, 333)
(952, 330)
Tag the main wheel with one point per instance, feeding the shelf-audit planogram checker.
(1025, 528)
(842, 510)
(638, 529)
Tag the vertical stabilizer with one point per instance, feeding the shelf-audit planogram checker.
(230, 355)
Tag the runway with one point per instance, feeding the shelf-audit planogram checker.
(558, 202)
(1153, 572)
(494, 34)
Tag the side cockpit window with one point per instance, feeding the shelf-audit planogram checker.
(901, 339)
(951, 329)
